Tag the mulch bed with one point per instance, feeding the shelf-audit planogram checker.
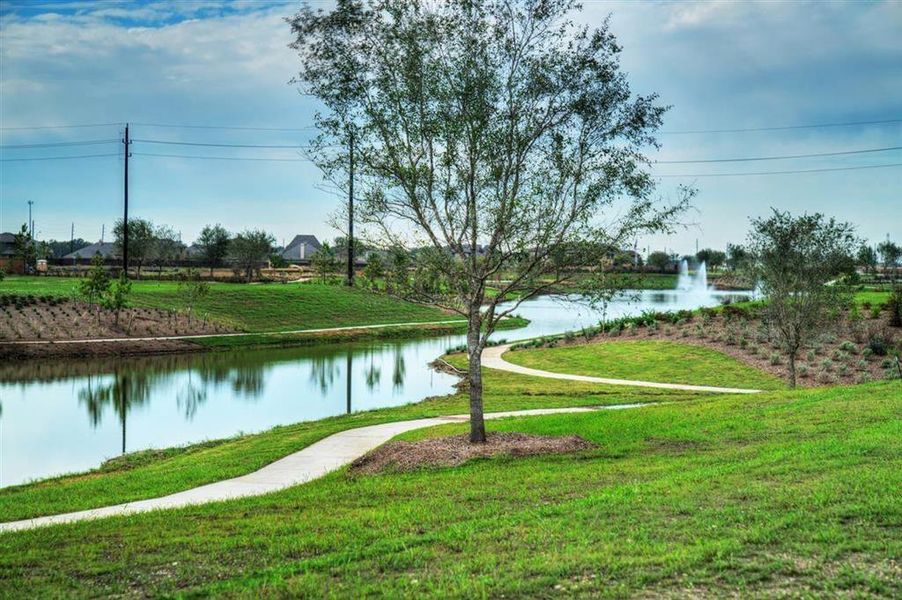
(451, 451)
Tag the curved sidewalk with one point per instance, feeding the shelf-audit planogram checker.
(314, 461)
(492, 358)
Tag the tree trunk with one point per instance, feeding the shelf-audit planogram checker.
(792, 370)
(474, 351)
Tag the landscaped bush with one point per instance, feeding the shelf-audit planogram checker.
(802, 370)
(827, 365)
(878, 343)
(775, 358)
(849, 347)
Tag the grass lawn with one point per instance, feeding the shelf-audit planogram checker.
(647, 360)
(875, 297)
(784, 493)
(270, 307)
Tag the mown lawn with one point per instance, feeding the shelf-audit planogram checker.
(253, 308)
(784, 493)
(647, 360)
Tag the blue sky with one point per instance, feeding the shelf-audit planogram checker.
(722, 65)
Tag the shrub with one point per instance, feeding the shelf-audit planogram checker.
(824, 377)
(886, 363)
(811, 356)
(878, 343)
(875, 312)
(867, 352)
(862, 378)
(743, 343)
(827, 365)
(894, 305)
(849, 347)
(775, 358)
(802, 370)
(862, 365)
(843, 370)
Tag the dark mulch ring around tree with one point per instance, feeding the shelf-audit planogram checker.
(451, 451)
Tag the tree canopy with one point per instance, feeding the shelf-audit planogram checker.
(798, 262)
(499, 135)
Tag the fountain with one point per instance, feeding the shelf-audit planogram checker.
(692, 283)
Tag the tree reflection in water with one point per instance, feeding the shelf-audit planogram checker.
(125, 390)
(400, 369)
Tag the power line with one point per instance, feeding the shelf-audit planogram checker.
(208, 145)
(59, 126)
(57, 157)
(783, 127)
(785, 172)
(57, 144)
(219, 157)
(784, 157)
(230, 127)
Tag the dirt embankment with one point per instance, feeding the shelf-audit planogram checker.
(59, 326)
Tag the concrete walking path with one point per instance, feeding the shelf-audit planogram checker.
(198, 336)
(493, 359)
(314, 461)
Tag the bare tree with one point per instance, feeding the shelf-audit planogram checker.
(496, 134)
(798, 261)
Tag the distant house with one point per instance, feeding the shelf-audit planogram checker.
(8, 260)
(105, 249)
(7, 245)
(301, 249)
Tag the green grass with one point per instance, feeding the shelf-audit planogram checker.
(256, 308)
(785, 493)
(876, 298)
(647, 360)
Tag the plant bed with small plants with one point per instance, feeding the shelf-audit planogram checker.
(858, 348)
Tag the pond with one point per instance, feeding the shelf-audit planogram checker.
(62, 416)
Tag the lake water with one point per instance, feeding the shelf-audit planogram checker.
(62, 416)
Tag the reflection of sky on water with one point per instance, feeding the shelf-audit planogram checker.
(64, 416)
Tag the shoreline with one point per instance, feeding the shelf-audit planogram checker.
(150, 346)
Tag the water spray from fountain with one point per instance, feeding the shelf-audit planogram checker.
(693, 283)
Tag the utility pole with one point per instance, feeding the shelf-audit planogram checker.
(126, 142)
(30, 221)
(72, 239)
(350, 240)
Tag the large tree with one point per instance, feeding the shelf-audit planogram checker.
(25, 248)
(890, 253)
(660, 260)
(497, 134)
(867, 258)
(141, 241)
(798, 262)
(250, 250)
(713, 258)
(214, 243)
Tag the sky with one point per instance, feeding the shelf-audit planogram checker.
(210, 64)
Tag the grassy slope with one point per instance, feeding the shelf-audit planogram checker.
(787, 492)
(151, 474)
(272, 307)
(661, 361)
